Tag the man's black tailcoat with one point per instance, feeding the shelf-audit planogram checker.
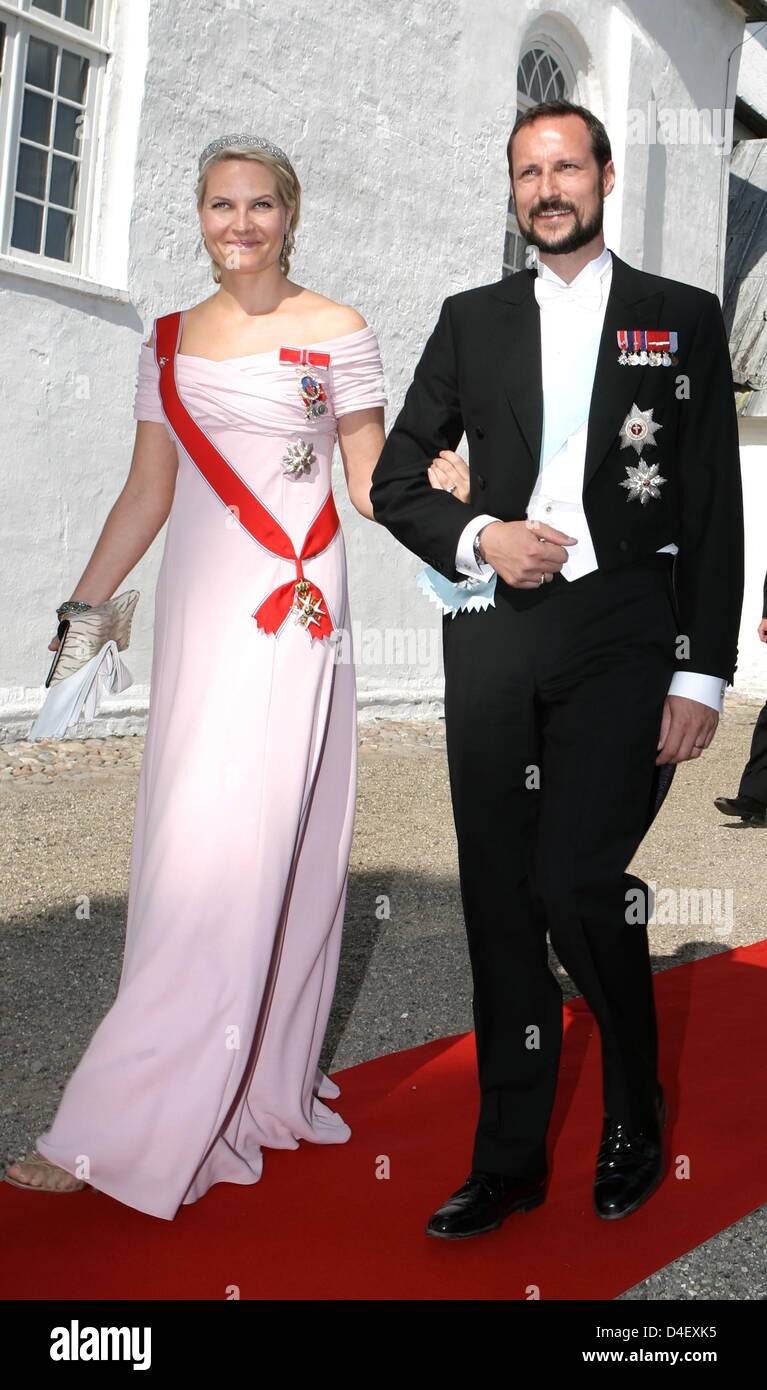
(480, 372)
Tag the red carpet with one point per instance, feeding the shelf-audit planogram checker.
(321, 1225)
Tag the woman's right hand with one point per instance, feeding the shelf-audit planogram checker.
(450, 473)
(54, 644)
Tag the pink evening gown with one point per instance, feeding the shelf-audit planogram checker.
(244, 813)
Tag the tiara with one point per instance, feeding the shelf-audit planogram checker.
(224, 142)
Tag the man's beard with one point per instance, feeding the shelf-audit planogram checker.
(580, 235)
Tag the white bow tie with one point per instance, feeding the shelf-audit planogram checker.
(587, 295)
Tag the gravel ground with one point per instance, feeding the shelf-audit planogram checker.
(66, 813)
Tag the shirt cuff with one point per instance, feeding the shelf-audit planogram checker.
(708, 690)
(464, 555)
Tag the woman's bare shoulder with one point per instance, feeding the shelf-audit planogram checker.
(347, 318)
(329, 318)
(201, 310)
(191, 315)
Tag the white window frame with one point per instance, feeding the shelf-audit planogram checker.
(524, 102)
(24, 19)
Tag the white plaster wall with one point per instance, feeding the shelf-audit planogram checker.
(674, 194)
(66, 368)
(397, 119)
(752, 76)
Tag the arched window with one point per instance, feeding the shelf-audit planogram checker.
(53, 61)
(542, 75)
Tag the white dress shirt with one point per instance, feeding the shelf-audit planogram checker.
(570, 313)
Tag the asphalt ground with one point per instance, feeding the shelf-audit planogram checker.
(66, 813)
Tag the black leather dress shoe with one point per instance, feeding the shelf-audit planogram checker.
(744, 806)
(484, 1201)
(629, 1165)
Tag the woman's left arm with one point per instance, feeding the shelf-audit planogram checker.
(361, 439)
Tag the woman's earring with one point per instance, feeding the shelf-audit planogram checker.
(288, 245)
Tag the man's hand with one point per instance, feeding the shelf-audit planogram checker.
(686, 728)
(522, 551)
(762, 630)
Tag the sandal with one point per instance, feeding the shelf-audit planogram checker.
(40, 1162)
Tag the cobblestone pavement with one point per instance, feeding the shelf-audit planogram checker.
(76, 758)
(66, 811)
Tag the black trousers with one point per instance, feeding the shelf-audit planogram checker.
(553, 703)
(754, 780)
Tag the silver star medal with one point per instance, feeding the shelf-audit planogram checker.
(298, 459)
(638, 429)
(643, 482)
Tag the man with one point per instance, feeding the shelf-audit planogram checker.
(751, 802)
(598, 408)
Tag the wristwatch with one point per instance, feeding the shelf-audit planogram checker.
(478, 556)
(72, 605)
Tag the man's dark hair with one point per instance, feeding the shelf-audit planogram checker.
(600, 142)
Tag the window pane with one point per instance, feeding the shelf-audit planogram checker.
(539, 76)
(41, 64)
(526, 70)
(27, 225)
(536, 86)
(58, 236)
(2, 45)
(63, 181)
(66, 136)
(32, 171)
(50, 6)
(72, 76)
(36, 118)
(514, 250)
(80, 12)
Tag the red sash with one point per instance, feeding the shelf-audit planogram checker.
(233, 492)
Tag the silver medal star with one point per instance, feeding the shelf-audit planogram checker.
(643, 482)
(298, 459)
(638, 429)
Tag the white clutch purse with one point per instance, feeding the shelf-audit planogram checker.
(86, 666)
(82, 635)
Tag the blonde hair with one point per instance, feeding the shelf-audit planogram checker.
(288, 189)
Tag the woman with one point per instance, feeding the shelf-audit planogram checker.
(245, 801)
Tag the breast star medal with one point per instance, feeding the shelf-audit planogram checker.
(298, 459)
(310, 388)
(643, 482)
(305, 607)
(638, 429)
